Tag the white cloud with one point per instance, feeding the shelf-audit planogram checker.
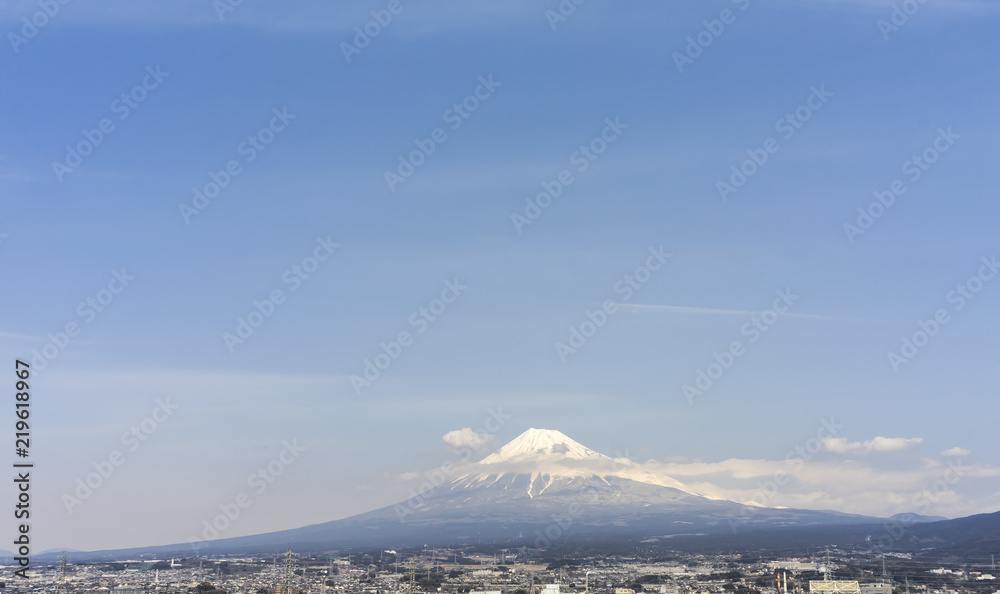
(956, 451)
(467, 438)
(683, 309)
(840, 445)
(892, 444)
(850, 486)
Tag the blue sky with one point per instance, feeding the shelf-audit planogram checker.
(322, 177)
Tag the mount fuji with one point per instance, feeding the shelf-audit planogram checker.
(542, 467)
(540, 489)
(546, 486)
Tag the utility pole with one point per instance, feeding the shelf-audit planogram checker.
(62, 579)
(288, 572)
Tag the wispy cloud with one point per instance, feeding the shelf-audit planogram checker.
(17, 336)
(845, 485)
(840, 445)
(955, 452)
(684, 309)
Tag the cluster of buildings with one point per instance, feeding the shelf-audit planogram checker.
(458, 571)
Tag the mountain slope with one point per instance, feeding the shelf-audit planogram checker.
(539, 489)
(552, 454)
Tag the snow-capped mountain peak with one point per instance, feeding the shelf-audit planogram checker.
(540, 443)
(553, 454)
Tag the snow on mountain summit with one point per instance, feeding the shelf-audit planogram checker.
(536, 443)
(550, 453)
